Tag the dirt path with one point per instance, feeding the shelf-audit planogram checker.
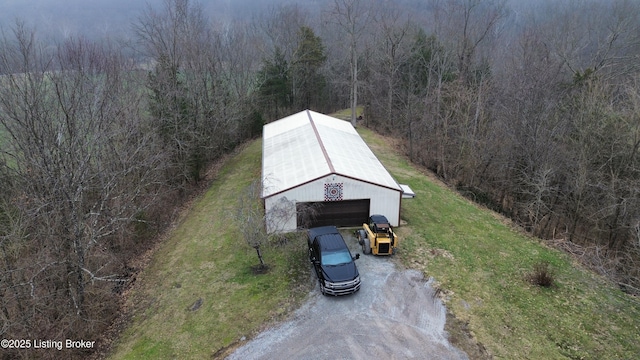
(395, 315)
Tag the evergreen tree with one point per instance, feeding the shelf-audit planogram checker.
(308, 83)
(275, 85)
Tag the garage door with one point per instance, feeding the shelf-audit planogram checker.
(338, 213)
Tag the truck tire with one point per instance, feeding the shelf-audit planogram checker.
(366, 246)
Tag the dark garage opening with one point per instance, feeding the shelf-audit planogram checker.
(338, 213)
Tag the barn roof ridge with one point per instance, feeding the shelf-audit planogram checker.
(308, 145)
(324, 150)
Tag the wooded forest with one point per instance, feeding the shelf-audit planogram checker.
(532, 110)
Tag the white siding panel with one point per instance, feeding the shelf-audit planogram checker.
(279, 224)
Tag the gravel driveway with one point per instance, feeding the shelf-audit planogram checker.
(395, 315)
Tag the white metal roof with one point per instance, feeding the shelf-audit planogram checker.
(407, 193)
(308, 145)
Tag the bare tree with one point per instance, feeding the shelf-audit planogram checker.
(352, 17)
(389, 55)
(278, 30)
(595, 38)
(467, 24)
(82, 166)
(251, 218)
(307, 214)
(194, 99)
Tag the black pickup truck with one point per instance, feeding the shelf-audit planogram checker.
(333, 262)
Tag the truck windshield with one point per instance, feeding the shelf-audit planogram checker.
(336, 257)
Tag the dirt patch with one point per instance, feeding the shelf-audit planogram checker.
(461, 337)
(260, 269)
(396, 314)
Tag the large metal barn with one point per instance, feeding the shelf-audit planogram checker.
(314, 161)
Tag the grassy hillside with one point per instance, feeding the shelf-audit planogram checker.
(481, 263)
(199, 294)
(478, 259)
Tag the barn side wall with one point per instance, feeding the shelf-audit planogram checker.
(383, 200)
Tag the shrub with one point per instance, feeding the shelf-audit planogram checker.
(542, 275)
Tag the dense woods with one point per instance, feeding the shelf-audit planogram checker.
(532, 110)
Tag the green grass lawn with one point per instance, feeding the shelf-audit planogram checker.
(345, 114)
(206, 259)
(481, 263)
(478, 259)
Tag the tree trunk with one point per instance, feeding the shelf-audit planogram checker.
(260, 255)
(354, 84)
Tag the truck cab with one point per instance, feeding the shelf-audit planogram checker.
(332, 261)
